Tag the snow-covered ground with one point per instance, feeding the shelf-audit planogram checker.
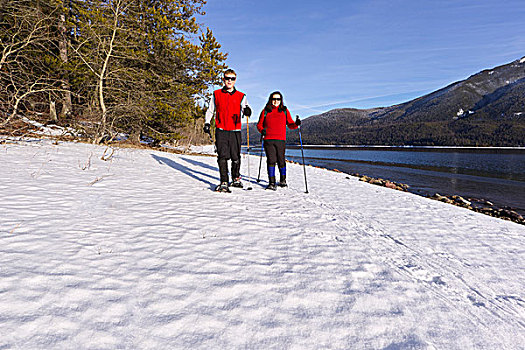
(50, 130)
(137, 252)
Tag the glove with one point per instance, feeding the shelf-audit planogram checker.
(263, 132)
(297, 121)
(206, 128)
(247, 111)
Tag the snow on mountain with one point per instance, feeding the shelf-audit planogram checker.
(137, 251)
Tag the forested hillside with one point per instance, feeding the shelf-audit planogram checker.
(487, 109)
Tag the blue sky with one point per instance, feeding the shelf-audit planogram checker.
(360, 54)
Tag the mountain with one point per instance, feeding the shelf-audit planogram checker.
(487, 109)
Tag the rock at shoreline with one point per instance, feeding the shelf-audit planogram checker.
(502, 213)
(487, 208)
(384, 183)
(365, 178)
(391, 185)
(461, 200)
(443, 199)
(511, 214)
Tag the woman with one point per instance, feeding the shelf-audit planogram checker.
(272, 125)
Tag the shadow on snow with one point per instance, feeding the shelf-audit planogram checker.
(188, 171)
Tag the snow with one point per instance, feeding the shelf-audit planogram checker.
(51, 130)
(522, 60)
(138, 252)
(205, 149)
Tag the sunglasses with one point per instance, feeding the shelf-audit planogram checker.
(230, 78)
(276, 99)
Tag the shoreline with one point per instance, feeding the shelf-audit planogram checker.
(478, 205)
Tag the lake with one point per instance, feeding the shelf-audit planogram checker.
(493, 174)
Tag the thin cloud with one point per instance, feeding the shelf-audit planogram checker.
(361, 99)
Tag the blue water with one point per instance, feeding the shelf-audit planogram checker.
(496, 175)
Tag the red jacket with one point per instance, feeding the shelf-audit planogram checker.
(228, 109)
(275, 123)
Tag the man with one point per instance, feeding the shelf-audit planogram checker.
(227, 105)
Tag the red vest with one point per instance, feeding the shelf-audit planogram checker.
(228, 109)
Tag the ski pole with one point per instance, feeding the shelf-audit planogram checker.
(248, 143)
(304, 166)
(260, 159)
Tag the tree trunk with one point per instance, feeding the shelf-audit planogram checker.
(102, 74)
(52, 111)
(62, 46)
(134, 137)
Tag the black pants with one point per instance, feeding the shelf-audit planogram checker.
(228, 147)
(274, 150)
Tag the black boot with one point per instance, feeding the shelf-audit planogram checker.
(236, 168)
(223, 187)
(236, 182)
(271, 185)
(282, 182)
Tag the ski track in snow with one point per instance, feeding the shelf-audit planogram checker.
(442, 272)
(138, 252)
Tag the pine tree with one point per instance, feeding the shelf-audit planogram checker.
(145, 65)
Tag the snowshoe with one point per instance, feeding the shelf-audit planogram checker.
(236, 183)
(271, 186)
(223, 187)
(283, 183)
